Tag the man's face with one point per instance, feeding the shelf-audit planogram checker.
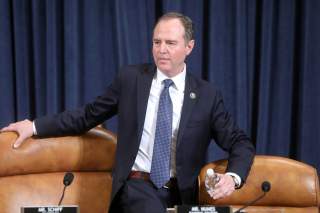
(169, 46)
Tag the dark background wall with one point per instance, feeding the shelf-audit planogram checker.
(262, 54)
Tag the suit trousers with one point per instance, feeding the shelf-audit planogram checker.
(138, 195)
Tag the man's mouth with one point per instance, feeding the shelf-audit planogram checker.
(163, 59)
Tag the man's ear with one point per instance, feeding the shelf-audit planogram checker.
(189, 47)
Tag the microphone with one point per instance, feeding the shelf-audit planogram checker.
(265, 187)
(67, 180)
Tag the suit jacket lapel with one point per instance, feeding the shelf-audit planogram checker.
(144, 81)
(190, 98)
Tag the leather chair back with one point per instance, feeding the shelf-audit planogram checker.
(32, 175)
(294, 186)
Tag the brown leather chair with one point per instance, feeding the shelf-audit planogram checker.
(33, 174)
(294, 186)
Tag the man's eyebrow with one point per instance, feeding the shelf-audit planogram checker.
(169, 40)
(166, 41)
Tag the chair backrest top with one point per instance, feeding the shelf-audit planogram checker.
(93, 151)
(293, 183)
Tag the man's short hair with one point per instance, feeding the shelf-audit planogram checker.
(185, 21)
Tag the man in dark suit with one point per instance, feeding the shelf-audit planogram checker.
(154, 170)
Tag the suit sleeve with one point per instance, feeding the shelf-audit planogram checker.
(78, 121)
(231, 139)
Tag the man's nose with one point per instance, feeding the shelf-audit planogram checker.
(163, 48)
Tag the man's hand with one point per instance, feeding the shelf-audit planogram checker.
(224, 187)
(23, 128)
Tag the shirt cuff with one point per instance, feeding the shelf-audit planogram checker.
(34, 128)
(237, 179)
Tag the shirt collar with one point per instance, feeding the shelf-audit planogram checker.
(178, 80)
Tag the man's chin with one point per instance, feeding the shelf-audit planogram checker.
(163, 67)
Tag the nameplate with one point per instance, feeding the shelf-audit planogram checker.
(202, 209)
(50, 209)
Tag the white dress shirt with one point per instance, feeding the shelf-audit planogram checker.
(176, 92)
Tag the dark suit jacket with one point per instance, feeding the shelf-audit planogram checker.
(203, 117)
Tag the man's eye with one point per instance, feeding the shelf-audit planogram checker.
(156, 42)
(171, 43)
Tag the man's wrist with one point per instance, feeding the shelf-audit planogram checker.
(236, 179)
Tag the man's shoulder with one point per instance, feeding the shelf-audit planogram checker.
(129, 72)
(138, 68)
(200, 83)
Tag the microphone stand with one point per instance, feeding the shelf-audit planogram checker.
(62, 196)
(248, 204)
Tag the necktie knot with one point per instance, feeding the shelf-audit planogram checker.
(167, 83)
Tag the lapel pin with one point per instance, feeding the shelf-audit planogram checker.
(192, 95)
